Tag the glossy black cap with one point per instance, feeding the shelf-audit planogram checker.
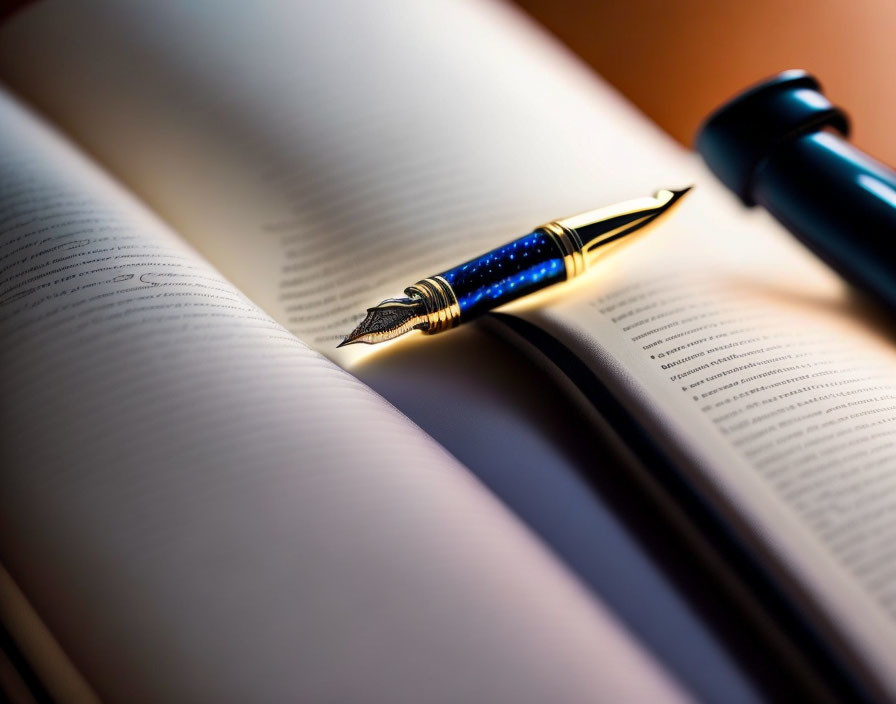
(736, 138)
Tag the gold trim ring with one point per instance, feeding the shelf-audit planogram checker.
(442, 309)
(568, 242)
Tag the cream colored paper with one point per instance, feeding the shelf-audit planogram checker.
(201, 508)
(326, 155)
(323, 156)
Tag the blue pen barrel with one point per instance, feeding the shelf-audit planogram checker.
(506, 273)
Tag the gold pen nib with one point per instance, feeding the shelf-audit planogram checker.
(390, 319)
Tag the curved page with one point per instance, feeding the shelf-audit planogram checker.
(326, 155)
(201, 508)
(753, 362)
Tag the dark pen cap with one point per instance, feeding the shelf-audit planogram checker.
(782, 145)
(736, 139)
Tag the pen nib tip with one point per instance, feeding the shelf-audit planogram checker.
(390, 319)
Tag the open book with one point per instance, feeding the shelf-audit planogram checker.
(190, 478)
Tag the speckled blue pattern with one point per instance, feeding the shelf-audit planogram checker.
(507, 273)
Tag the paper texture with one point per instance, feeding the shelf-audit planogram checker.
(326, 155)
(323, 156)
(740, 350)
(201, 508)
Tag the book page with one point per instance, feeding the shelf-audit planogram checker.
(325, 156)
(202, 508)
(777, 384)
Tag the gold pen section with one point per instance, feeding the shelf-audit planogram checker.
(551, 254)
(586, 236)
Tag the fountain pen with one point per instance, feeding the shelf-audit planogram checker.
(550, 254)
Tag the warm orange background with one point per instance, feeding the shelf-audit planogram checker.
(679, 59)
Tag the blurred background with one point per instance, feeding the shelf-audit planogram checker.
(678, 60)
